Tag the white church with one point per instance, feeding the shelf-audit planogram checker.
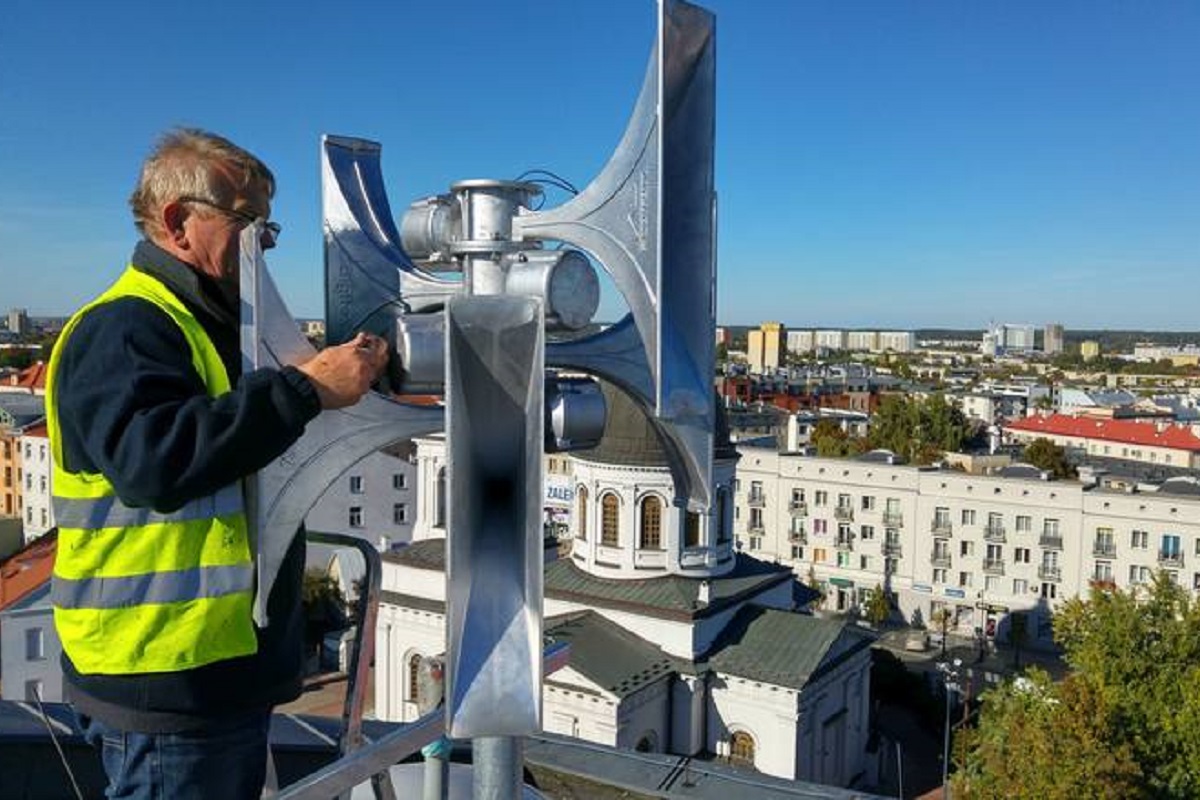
(678, 643)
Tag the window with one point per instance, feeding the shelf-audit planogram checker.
(1020, 586)
(691, 529)
(964, 579)
(868, 503)
(724, 531)
(820, 497)
(399, 513)
(991, 584)
(651, 532)
(756, 492)
(610, 511)
(966, 548)
(741, 749)
(968, 516)
(1139, 540)
(941, 518)
(819, 555)
(1024, 524)
(797, 495)
(995, 553)
(1050, 528)
(820, 525)
(1021, 555)
(756, 519)
(356, 484)
(399, 481)
(1049, 591)
(843, 559)
(890, 565)
(864, 563)
(35, 644)
(1171, 547)
(42, 484)
(844, 501)
(581, 512)
(797, 552)
(867, 532)
(356, 517)
(939, 576)
(756, 543)
(1138, 575)
(1103, 572)
(414, 674)
(440, 520)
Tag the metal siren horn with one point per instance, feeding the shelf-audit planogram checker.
(649, 217)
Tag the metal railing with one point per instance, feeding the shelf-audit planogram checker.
(940, 560)
(757, 500)
(1046, 573)
(993, 566)
(942, 527)
(843, 513)
(798, 508)
(798, 537)
(994, 533)
(1170, 558)
(1051, 540)
(844, 543)
(892, 549)
(893, 519)
(1104, 549)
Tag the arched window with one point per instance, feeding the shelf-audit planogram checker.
(741, 749)
(581, 515)
(651, 531)
(440, 519)
(610, 515)
(723, 525)
(414, 669)
(691, 529)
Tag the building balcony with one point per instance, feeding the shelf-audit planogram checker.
(1104, 550)
(798, 508)
(843, 514)
(757, 500)
(843, 543)
(892, 549)
(798, 538)
(1170, 558)
(940, 560)
(993, 566)
(755, 528)
(994, 533)
(942, 527)
(1103, 582)
(1046, 573)
(893, 519)
(1051, 540)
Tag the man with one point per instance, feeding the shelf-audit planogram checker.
(153, 426)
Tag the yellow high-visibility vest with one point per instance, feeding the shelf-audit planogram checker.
(135, 590)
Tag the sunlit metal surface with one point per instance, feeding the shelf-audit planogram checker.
(649, 217)
(368, 277)
(280, 495)
(494, 401)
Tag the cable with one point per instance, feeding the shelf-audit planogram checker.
(37, 696)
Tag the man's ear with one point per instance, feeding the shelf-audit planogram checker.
(171, 216)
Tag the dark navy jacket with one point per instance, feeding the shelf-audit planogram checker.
(131, 406)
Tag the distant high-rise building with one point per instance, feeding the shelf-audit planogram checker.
(1052, 342)
(862, 340)
(800, 341)
(897, 341)
(832, 339)
(990, 344)
(765, 347)
(724, 336)
(1017, 337)
(18, 322)
(1089, 350)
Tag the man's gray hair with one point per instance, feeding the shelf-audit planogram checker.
(188, 162)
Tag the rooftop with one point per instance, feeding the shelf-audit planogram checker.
(607, 654)
(1124, 431)
(27, 569)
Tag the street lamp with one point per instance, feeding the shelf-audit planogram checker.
(950, 681)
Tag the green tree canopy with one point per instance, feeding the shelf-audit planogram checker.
(833, 442)
(919, 431)
(1124, 723)
(1046, 455)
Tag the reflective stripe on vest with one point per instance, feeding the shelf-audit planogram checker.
(110, 512)
(152, 587)
(137, 590)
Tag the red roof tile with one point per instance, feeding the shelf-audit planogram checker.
(1125, 431)
(33, 377)
(27, 569)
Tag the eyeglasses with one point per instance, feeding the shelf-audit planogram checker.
(271, 230)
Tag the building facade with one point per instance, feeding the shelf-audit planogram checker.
(765, 347)
(36, 475)
(981, 547)
(1052, 339)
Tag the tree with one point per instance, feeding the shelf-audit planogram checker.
(1037, 739)
(324, 607)
(832, 441)
(1124, 723)
(1046, 455)
(877, 608)
(919, 431)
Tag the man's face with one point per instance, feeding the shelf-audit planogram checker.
(213, 232)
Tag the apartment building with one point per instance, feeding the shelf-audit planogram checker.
(37, 471)
(1159, 441)
(765, 347)
(981, 547)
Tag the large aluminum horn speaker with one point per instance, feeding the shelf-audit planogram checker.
(649, 217)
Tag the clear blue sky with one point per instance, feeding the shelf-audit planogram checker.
(879, 162)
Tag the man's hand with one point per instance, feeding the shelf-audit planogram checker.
(343, 374)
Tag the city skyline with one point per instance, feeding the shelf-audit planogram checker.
(878, 165)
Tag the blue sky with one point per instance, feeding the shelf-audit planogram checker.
(879, 162)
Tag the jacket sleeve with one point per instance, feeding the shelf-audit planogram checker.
(132, 407)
